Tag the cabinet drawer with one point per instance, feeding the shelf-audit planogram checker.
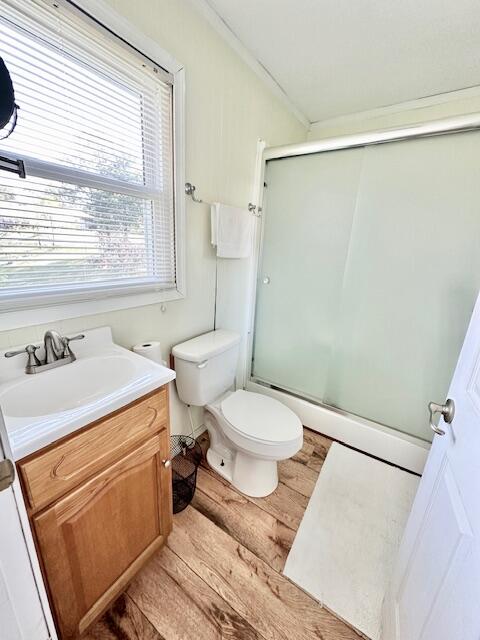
(53, 472)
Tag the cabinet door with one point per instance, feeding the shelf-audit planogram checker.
(93, 541)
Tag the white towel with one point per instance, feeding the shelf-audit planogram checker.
(232, 231)
(213, 222)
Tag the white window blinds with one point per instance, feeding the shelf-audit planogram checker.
(96, 211)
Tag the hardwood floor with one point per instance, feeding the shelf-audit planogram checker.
(220, 574)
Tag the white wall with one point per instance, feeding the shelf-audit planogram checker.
(228, 109)
(416, 111)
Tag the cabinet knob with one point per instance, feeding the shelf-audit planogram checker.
(167, 463)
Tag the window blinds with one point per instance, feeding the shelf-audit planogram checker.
(96, 211)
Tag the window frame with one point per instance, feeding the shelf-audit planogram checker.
(47, 308)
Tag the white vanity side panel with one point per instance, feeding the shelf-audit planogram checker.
(24, 608)
(21, 612)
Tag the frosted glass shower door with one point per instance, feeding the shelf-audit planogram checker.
(369, 273)
(309, 207)
(411, 280)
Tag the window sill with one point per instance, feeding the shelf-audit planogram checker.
(14, 319)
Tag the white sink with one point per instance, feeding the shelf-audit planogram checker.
(63, 389)
(43, 407)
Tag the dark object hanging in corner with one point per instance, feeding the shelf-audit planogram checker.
(8, 108)
(8, 118)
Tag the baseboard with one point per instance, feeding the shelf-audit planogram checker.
(198, 431)
(390, 445)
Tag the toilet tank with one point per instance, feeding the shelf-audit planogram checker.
(206, 366)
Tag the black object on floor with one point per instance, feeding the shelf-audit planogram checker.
(186, 455)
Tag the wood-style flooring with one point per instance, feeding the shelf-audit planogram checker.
(220, 574)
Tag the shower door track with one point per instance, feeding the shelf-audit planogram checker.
(382, 441)
(443, 126)
(316, 402)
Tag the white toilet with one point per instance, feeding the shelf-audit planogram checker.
(249, 432)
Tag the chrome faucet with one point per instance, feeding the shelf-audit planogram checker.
(54, 348)
(57, 352)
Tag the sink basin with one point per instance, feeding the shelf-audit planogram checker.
(68, 387)
(43, 407)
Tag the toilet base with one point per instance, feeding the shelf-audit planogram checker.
(220, 463)
(253, 477)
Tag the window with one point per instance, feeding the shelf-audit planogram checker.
(95, 215)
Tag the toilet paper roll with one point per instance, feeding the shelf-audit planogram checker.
(150, 350)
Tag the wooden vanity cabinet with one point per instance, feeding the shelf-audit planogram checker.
(93, 539)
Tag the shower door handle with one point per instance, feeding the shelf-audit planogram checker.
(447, 410)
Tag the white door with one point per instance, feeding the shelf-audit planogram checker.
(21, 613)
(435, 590)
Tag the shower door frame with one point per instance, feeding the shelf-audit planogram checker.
(374, 438)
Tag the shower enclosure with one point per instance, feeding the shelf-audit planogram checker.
(368, 271)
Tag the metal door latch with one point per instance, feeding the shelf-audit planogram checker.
(447, 410)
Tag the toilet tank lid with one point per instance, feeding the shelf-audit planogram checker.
(206, 346)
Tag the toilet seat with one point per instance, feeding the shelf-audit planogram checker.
(260, 418)
(249, 434)
(258, 425)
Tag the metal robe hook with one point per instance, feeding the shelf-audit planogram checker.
(190, 191)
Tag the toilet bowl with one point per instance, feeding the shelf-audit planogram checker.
(249, 432)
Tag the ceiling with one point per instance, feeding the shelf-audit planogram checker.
(335, 57)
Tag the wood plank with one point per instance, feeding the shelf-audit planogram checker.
(297, 476)
(182, 606)
(274, 606)
(262, 533)
(124, 621)
(320, 445)
(285, 504)
(305, 452)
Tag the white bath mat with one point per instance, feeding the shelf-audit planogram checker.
(346, 544)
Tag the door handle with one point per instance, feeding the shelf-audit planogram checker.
(7, 474)
(447, 410)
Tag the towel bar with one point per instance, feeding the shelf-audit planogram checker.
(190, 191)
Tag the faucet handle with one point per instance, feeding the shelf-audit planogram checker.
(67, 352)
(80, 336)
(30, 349)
